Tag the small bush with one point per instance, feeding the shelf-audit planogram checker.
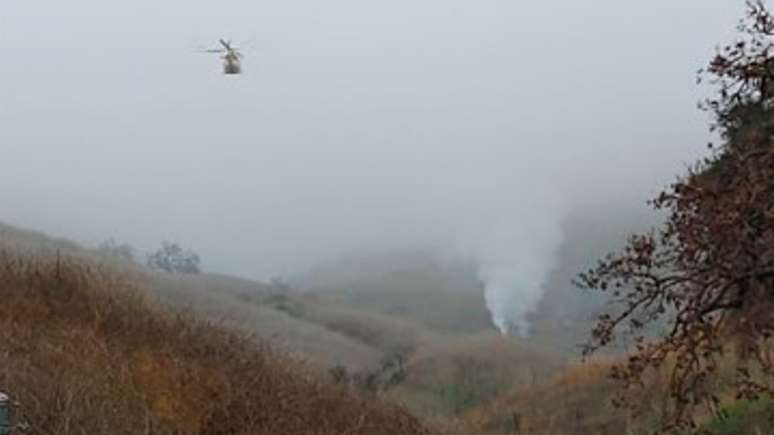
(172, 258)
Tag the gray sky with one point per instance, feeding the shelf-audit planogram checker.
(357, 124)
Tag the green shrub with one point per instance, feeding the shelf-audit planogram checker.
(745, 418)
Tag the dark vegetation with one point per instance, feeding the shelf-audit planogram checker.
(172, 258)
(391, 372)
(741, 418)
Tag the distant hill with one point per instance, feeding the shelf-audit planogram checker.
(442, 295)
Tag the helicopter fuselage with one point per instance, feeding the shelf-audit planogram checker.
(231, 63)
(231, 67)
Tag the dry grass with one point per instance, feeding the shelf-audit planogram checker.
(83, 352)
(448, 378)
(220, 300)
(385, 333)
(577, 401)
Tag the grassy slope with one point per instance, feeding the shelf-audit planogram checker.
(450, 370)
(447, 379)
(83, 351)
(578, 400)
(220, 299)
(448, 373)
(388, 334)
(435, 311)
(239, 303)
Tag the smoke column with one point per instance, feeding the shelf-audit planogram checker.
(514, 253)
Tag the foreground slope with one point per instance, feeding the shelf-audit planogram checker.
(579, 400)
(234, 302)
(84, 351)
(448, 379)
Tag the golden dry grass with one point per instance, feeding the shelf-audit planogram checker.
(84, 352)
(448, 377)
(576, 401)
(579, 401)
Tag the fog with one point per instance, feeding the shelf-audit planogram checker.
(357, 125)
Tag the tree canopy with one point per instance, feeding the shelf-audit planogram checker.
(708, 272)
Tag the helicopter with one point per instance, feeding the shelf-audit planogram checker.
(231, 57)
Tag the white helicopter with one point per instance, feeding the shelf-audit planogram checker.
(232, 63)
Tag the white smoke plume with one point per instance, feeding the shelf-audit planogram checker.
(515, 253)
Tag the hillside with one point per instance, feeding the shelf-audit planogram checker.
(449, 371)
(86, 350)
(578, 400)
(230, 301)
(252, 307)
(175, 354)
(449, 379)
(442, 295)
(450, 368)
